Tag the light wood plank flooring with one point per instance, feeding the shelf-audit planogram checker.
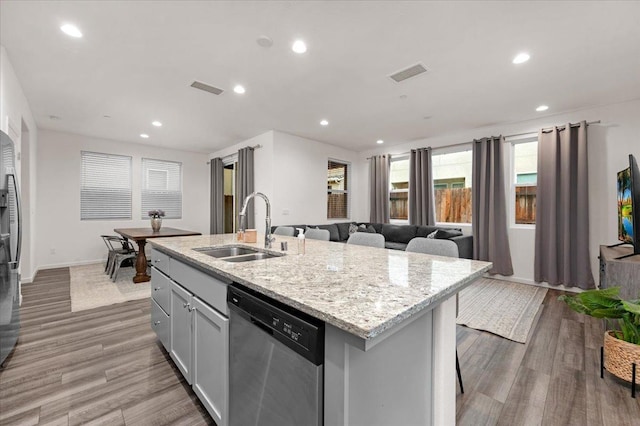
(104, 366)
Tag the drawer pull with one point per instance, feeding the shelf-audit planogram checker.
(156, 323)
(186, 305)
(157, 288)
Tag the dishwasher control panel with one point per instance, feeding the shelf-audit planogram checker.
(297, 330)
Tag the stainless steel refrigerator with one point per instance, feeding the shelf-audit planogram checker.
(10, 242)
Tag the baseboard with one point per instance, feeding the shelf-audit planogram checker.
(534, 283)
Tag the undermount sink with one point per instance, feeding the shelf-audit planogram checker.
(235, 253)
(219, 252)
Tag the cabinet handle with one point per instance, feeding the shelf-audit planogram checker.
(192, 309)
(157, 288)
(186, 305)
(156, 323)
(156, 260)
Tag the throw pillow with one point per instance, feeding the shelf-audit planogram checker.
(432, 235)
(443, 234)
(371, 229)
(353, 228)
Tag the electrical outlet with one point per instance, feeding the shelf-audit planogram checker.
(285, 212)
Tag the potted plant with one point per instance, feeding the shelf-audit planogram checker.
(156, 219)
(622, 345)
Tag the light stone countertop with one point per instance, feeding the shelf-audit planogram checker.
(361, 290)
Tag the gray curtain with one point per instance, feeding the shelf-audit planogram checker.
(422, 208)
(489, 208)
(217, 197)
(379, 186)
(562, 208)
(245, 184)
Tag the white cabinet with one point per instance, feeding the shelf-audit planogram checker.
(181, 329)
(189, 315)
(211, 359)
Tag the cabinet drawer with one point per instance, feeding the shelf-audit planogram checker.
(161, 289)
(208, 288)
(160, 324)
(160, 261)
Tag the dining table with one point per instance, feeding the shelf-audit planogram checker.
(140, 236)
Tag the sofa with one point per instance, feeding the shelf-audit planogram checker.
(396, 236)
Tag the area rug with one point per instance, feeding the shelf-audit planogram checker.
(501, 307)
(91, 287)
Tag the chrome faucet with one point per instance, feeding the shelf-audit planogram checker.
(243, 217)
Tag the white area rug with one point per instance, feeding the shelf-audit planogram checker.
(91, 287)
(500, 307)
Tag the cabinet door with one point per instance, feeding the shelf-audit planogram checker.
(211, 360)
(181, 327)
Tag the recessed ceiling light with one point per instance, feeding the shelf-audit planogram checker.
(144, 136)
(379, 141)
(542, 108)
(324, 123)
(264, 41)
(299, 46)
(71, 30)
(106, 116)
(54, 117)
(157, 123)
(239, 89)
(521, 58)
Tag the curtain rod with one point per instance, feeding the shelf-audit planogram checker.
(548, 129)
(235, 153)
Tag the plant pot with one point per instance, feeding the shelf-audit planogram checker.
(156, 223)
(619, 355)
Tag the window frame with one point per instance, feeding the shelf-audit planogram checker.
(346, 191)
(397, 158)
(144, 210)
(467, 147)
(130, 186)
(512, 142)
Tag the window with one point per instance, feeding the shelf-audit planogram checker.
(337, 190)
(399, 191)
(452, 186)
(162, 187)
(525, 181)
(105, 188)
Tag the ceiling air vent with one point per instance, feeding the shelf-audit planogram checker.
(408, 73)
(206, 88)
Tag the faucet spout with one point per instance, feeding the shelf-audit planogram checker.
(243, 216)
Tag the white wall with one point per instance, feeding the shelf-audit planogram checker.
(64, 239)
(15, 118)
(292, 172)
(610, 142)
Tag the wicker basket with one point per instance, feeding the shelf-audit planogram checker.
(619, 355)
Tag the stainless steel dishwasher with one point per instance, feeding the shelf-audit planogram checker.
(276, 357)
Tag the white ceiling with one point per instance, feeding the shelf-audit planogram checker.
(137, 59)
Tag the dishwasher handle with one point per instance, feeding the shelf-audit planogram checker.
(259, 324)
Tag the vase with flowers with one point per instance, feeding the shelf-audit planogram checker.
(156, 219)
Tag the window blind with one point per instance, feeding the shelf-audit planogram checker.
(105, 189)
(162, 187)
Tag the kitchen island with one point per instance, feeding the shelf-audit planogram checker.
(389, 317)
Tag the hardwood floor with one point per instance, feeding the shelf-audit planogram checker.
(104, 366)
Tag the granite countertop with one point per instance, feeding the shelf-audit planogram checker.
(359, 289)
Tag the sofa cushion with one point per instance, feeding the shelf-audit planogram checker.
(447, 233)
(423, 231)
(399, 233)
(334, 233)
(394, 245)
(343, 230)
(367, 228)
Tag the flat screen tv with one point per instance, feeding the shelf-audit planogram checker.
(628, 198)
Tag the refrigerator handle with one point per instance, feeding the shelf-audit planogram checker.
(12, 173)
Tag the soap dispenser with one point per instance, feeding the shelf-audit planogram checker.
(300, 240)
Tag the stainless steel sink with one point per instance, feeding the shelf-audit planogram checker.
(219, 252)
(236, 253)
(252, 256)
